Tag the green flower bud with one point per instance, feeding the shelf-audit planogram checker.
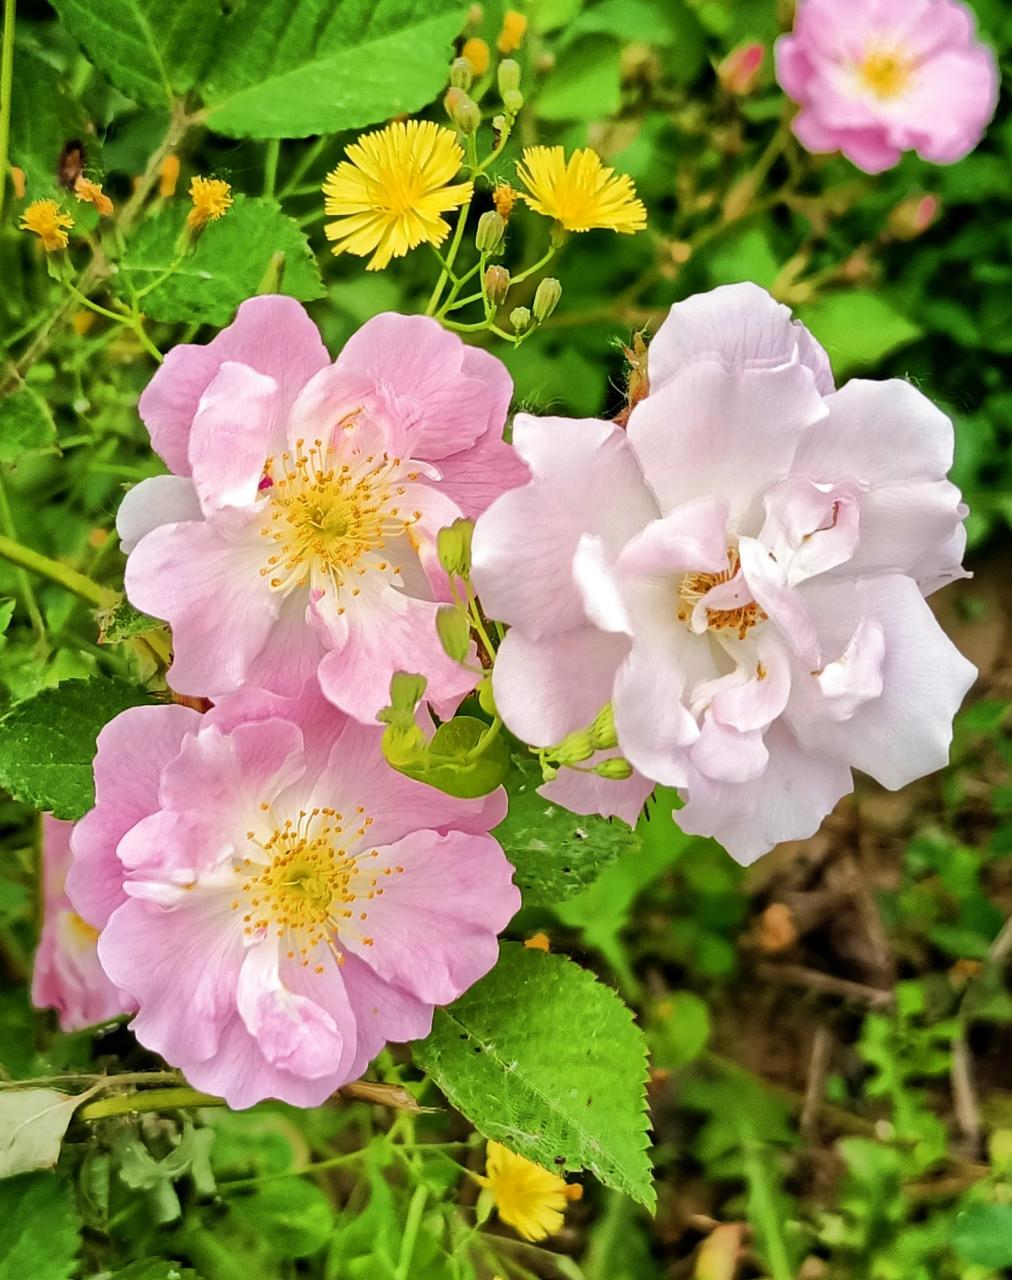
(574, 747)
(520, 318)
(546, 299)
(486, 700)
(549, 773)
(512, 100)
(461, 74)
(453, 546)
(491, 229)
(508, 76)
(403, 745)
(466, 114)
(406, 690)
(454, 631)
(497, 284)
(615, 768)
(602, 728)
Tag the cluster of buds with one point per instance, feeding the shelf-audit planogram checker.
(581, 744)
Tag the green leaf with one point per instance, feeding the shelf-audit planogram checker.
(44, 117)
(678, 1030)
(123, 622)
(47, 743)
(154, 1269)
(6, 613)
(983, 1235)
(293, 1218)
(25, 423)
(225, 268)
(150, 50)
(32, 1125)
(586, 83)
(290, 70)
(541, 1056)
(858, 328)
(39, 1229)
(451, 760)
(556, 853)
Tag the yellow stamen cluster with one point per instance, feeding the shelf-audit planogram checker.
(581, 193)
(886, 73)
(694, 586)
(92, 193)
(45, 219)
(531, 1199)
(391, 192)
(326, 515)
(212, 197)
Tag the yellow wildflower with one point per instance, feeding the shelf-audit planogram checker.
(168, 176)
(211, 198)
(530, 1199)
(514, 28)
(390, 193)
(92, 193)
(47, 220)
(477, 53)
(580, 193)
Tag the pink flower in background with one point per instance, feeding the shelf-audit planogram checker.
(741, 574)
(67, 975)
(875, 78)
(296, 534)
(278, 901)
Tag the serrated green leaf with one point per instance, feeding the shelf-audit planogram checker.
(44, 117)
(225, 268)
(149, 49)
(556, 853)
(25, 423)
(39, 1228)
(541, 1056)
(290, 70)
(123, 622)
(47, 743)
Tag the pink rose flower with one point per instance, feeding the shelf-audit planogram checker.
(296, 535)
(875, 78)
(67, 975)
(277, 900)
(741, 574)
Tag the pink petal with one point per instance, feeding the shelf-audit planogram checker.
(609, 797)
(156, 501)
(294, 1033)
(236, 424)
(693, 536)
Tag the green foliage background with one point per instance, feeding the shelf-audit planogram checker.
(829, 1033)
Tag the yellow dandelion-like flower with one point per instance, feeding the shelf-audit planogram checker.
(92, 193)
(45, 219)
(211, 198)
(580, 193)
(514, 28)
(391, 192)
(531, 1199)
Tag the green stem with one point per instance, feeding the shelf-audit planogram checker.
(271, 167)
(35, 562)
(24, 582)
(450, 259)
(6, 89)
(308, 159)
(412, 1223)
(153, 1100)
(541, 262)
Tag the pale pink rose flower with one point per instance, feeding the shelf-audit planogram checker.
(67, 975)
(741, 574)
(296, 535)
(875, 78)
(277, 900)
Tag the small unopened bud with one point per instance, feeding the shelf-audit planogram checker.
(739, 71)
(476, 51)
(451, 101)
(499, 124)
(520, 319)
(546, 299)
(913, 216)
(602, 728)
(486, 698)
(491, 229)
(514, 27)
(512, 100)
(508, 76)
(454, 631)
(497, 285)
(466, 114)
(574, 747)
(453, 546)
(461, 74)
(616, 768)
(406, 690)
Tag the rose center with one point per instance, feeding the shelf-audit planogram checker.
(694, 586)
(885, 74)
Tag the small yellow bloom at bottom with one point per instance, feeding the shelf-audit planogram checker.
(211, 198)
(530, 1199)
(45, 219)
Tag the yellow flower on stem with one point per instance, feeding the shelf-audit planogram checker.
(581, 193)
(530, 1199)
(391, 192)
(45, 219)
(92, 193)
(211, 198)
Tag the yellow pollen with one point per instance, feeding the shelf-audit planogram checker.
(694, 586)
(886, 74)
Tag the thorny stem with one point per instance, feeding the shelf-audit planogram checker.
(6, 90)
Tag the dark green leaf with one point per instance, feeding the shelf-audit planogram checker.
(983, 1235)
(292, 1217)
(44, 117)
(25, 423)
(39, 1230)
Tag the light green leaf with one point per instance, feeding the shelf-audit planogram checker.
(225, 268)
(150, 50)
(44, 117)
(154, 1269)
(858, 328)
(6, 613)
(453, 760)
(983, 1235)
(32, 1125)
(123, 622)
(288, 71)
(25, 423)
(47, 743)
(585, 84)
(39, 1228)
(542, 1057)
(556, 853)
(293, 1218)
